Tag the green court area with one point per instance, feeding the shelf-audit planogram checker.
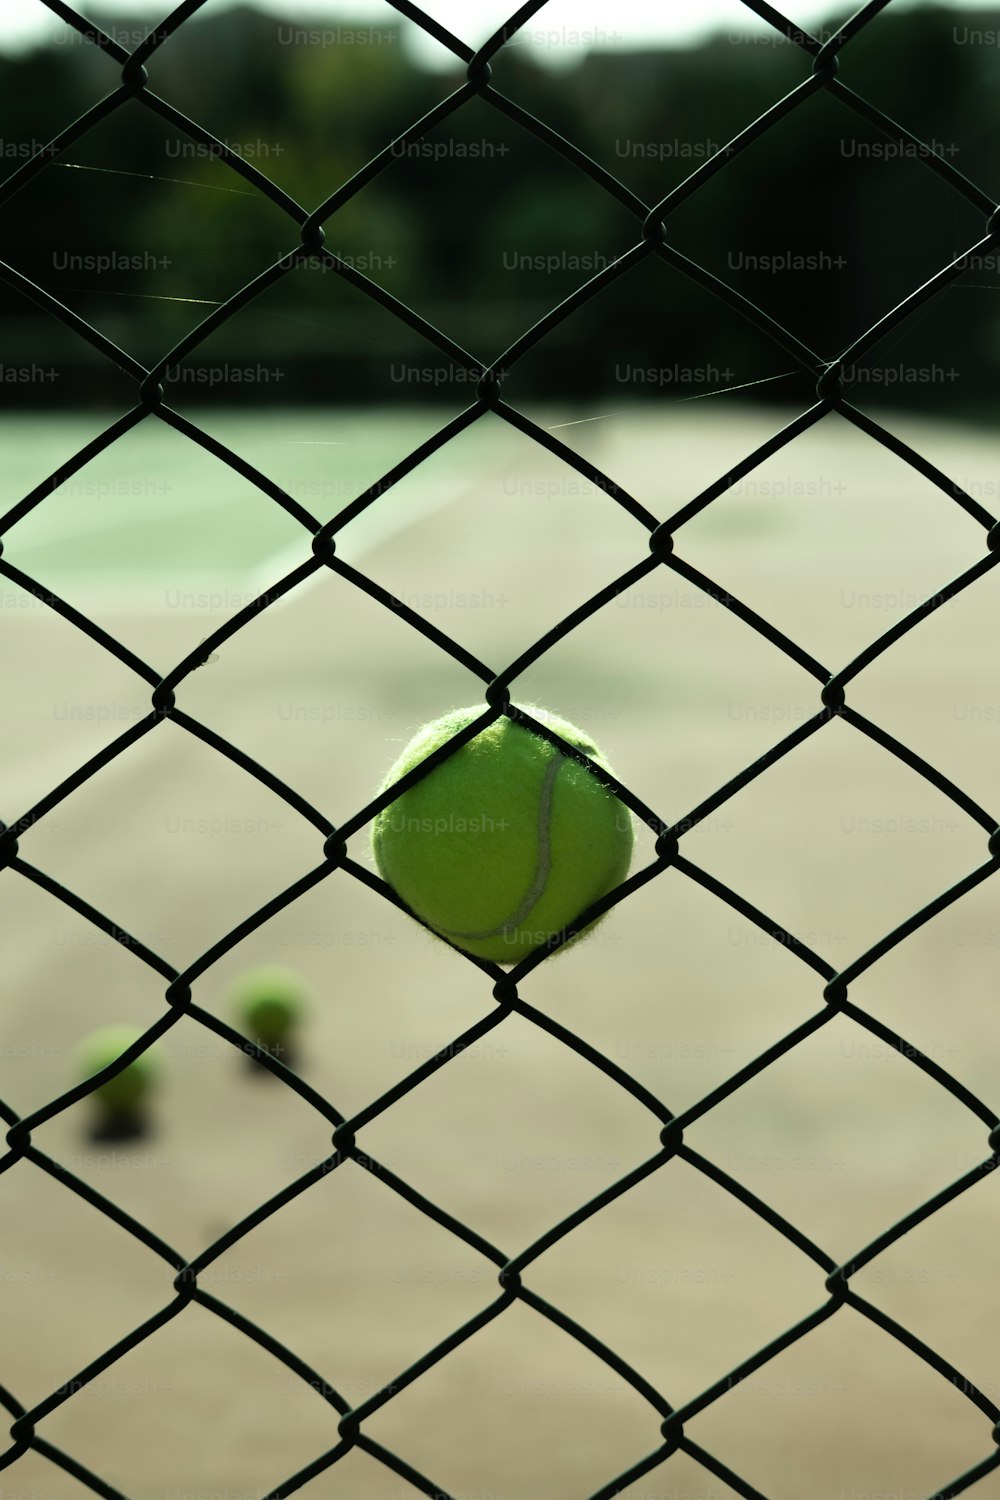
(156, 521)
(155, 509)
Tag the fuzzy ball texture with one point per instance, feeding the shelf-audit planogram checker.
(505, 843)
(270, 1001)
(129, 1090)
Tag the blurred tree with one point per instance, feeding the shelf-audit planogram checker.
(482, 228)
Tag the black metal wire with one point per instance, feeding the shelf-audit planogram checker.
(656, 549)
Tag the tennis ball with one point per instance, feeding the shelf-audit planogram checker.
(127, 1093)
(270, 1002)
(506, 842)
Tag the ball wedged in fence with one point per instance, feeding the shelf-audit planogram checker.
(508, 841)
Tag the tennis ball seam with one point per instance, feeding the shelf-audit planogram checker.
(542, 864)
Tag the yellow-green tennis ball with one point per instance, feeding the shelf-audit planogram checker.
(270, 1002)
(505, 843)
(128, 1092)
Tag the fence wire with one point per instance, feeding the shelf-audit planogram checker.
(656, 548)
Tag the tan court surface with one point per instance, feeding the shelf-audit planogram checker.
(839, 842)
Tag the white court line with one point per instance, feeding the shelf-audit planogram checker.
(374, 526)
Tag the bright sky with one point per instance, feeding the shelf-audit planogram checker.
(558, 30)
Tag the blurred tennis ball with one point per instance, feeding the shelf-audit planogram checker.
(270, 1003)
(127, 1094)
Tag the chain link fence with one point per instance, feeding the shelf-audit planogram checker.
(658, 545)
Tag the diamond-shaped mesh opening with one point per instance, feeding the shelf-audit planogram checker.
(349, 1140)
